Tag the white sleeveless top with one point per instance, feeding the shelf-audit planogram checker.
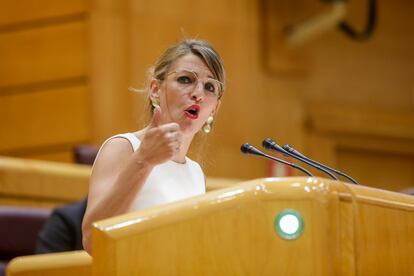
(167, 182)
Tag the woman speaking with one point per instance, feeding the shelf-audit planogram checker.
(149, 167)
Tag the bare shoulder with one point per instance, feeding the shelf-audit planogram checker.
(113, 153)
(117, 146)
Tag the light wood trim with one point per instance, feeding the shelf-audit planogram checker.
(77, 263)
(377, 197)
(31, 181)
(32, 201)
(214, 183)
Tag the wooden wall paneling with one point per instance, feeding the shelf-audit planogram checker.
(48, 53)
(244, 103)
(248, 100)
(15, 12)
(44, 118)
(362, 94)
(383, 163)
(43, 78)
(375, 146)
(363, 128)
(375, 73)
(380, 169)
(351, 120)
(109, 49)
(321, 148)
(276, 18)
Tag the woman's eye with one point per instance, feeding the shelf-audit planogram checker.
(184, 79)
(210, 87)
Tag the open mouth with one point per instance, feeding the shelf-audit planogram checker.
(192, 111)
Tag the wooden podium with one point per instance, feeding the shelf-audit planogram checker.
(274, 226)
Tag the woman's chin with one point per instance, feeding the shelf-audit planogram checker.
(189, 128)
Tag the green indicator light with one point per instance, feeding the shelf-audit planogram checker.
(289, 224)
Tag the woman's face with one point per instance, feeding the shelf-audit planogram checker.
(188, 95)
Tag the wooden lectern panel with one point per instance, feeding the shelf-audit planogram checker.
(384, 227)
(231, 232)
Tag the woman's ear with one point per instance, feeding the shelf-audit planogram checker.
(154, 89)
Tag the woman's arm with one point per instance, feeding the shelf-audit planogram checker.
(115, 181)
(119, 173)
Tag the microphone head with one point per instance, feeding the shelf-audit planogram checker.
(246, 148)
(268, 143)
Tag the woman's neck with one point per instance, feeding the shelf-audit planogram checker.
(185, 145)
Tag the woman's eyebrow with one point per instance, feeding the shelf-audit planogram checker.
(195, 73)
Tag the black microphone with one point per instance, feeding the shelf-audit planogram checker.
(290, 149)
(246, 148)
(269, 144)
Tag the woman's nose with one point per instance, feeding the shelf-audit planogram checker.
(198, 92)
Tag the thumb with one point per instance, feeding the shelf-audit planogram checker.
(156, 117)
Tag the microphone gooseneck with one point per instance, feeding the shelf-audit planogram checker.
(290, 149)
(248, 149)
(269, 144)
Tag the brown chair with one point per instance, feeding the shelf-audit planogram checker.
(85, 154)
(19, 228)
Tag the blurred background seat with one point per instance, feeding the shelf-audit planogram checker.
(85, 154)
(19, 229)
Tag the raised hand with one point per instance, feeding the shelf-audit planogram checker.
(160, 141)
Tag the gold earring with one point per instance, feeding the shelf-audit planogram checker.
(154, 103)
(208, 124)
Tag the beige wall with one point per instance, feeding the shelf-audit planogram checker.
(346, 103)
